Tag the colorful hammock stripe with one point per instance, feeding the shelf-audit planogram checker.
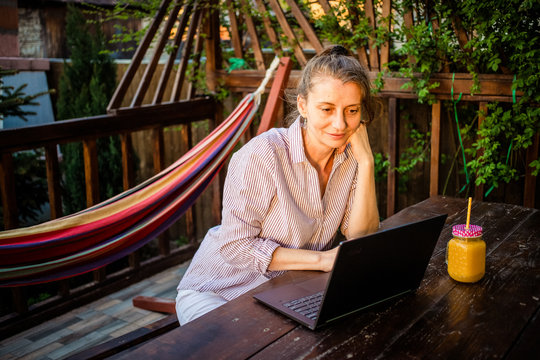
(108, 231)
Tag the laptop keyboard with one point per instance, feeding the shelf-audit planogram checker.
(307, 306)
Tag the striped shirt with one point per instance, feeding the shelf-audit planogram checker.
(271, 198)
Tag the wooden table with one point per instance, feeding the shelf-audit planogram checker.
(497, 317)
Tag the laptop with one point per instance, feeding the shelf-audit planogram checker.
(367, 271)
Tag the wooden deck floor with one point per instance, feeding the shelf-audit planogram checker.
(93, 324)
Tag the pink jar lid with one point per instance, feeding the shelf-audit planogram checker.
(472, 231)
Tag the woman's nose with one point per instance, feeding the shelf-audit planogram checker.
(338, 122)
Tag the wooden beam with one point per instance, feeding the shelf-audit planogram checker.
(327, 8)
(235, 34)
(261, 8)
(305, 25)
(252, 31)
(151, 67)
(120, 120)
(182, 69)
(387, 23)
(435, 148)
(373, 50)
(167, 69)
(213, 53)
(275, 99)
(408, 23)
(121, 90)
(391, 188)
(53, 181)
(289, 33)
(493, 86)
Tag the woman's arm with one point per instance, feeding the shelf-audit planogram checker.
(364, 215)
(300, 259)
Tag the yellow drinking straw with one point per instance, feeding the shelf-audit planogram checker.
(468, 213)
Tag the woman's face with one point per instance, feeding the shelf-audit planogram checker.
(332, 110)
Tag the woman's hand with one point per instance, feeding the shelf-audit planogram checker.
(327, 259)
(360, 146)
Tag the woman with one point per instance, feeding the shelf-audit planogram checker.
(289, 190)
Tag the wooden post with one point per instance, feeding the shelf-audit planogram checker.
(392, 157)
(435, 148)
(529, 194)
(7, 191)
(53, 181)
(91, 172)
(479, 190)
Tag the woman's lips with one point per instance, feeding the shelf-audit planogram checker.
(336, 136)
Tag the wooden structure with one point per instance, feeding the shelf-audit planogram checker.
(197, 27)
(496, 317)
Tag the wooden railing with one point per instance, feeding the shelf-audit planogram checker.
(88, 130)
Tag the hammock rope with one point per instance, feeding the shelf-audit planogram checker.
(94, 237)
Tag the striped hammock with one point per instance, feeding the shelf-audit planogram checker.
(92, 238)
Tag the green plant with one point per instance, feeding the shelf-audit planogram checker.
(12, 99)
(85, 89)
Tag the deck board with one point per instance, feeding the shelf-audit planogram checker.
(98, 322)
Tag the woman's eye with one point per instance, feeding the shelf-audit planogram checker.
(352, 111)
(325, 109)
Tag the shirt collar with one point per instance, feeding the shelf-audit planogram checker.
(298, 153)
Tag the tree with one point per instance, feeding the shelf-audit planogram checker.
(85, 88)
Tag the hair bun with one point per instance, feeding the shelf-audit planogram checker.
(338, 50)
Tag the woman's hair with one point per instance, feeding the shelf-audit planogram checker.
(337, 62)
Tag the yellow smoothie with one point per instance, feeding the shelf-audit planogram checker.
(466, 254)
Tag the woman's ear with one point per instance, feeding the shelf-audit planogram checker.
(301, 105)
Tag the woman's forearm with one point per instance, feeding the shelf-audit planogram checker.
(300, 259)
(364, 216)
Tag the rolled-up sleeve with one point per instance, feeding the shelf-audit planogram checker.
(248, 194)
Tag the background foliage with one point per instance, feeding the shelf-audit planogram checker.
(85, 88)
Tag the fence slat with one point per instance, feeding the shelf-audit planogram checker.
(392, 157)
(91, 172)
(53, 181)
(435, 148)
